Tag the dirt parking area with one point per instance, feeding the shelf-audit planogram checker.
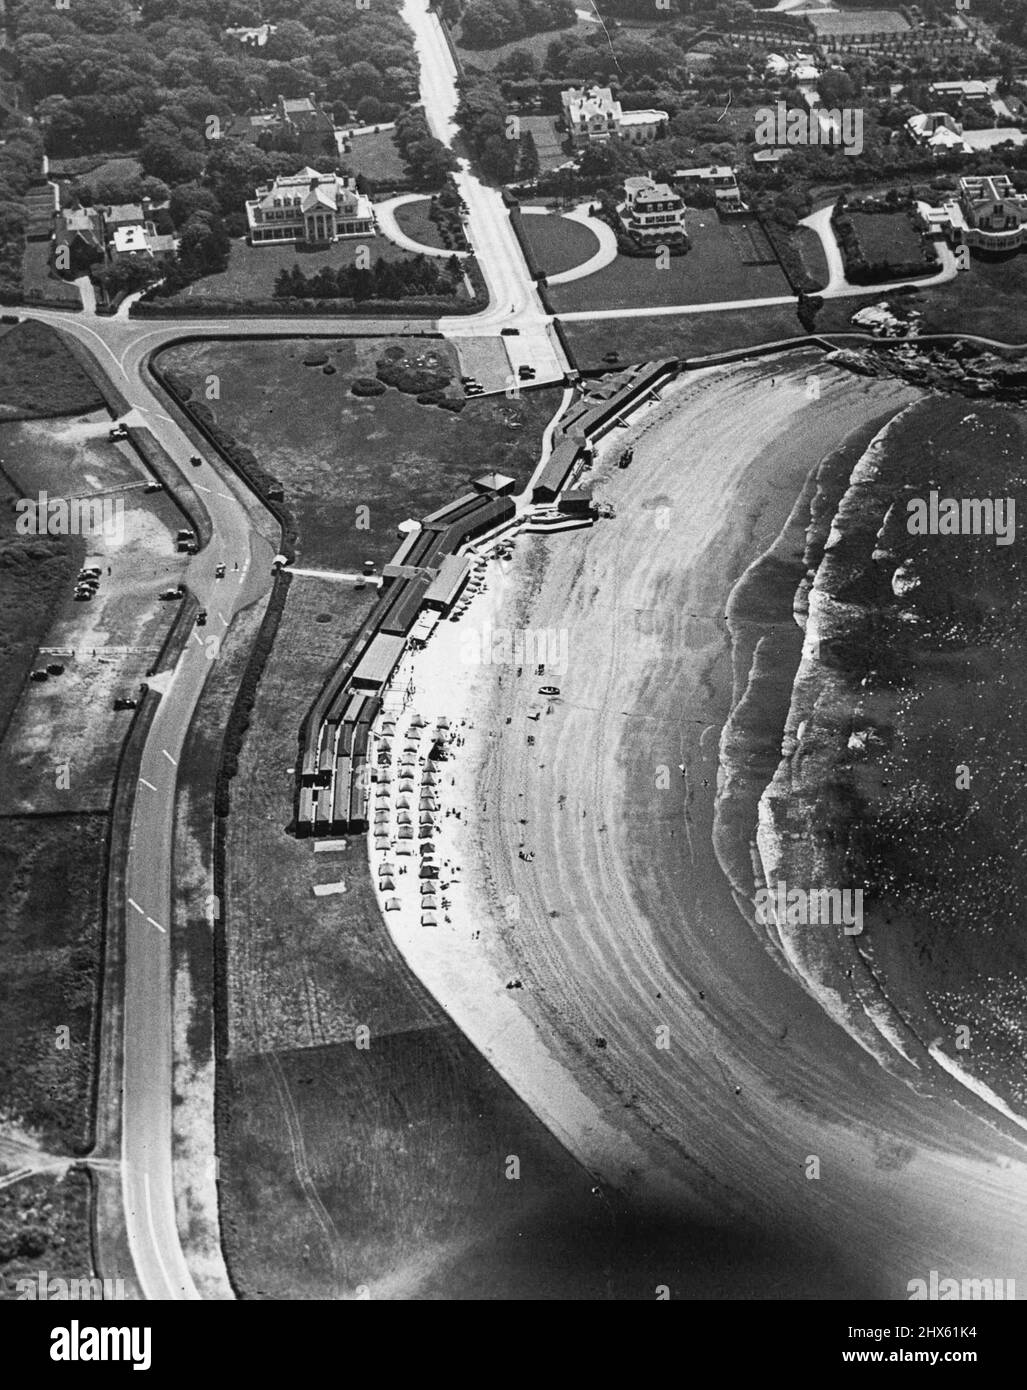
(61, 748)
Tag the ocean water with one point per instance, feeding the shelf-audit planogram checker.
(901, 763)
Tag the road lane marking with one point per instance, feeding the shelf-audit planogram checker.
(169, 757)
(153, 1233)
(226, 495)
(133, 903)
(200, 488)
(148, 784)
(156, 924)
(198, 639)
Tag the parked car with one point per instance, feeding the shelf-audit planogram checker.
(117, 432)
(219, 573)
(201, 618)
(187, 547)
(185, 536)
(169, 595)
(55, 669)
(549, 690)
(125, 702)
(39, 676)
(195, 460)
(510, 332)
(84, 595)
(474, 390)
(154, 487)
(91, 572)
(526, 373)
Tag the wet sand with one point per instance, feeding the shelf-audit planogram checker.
(609, 975)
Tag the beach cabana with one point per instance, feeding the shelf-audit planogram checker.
(406, 832)
(429, 919)
(426, 889)
(403, 804)
(386, 885)
(381, 842)
(386, 868)
(404, 818)
(426, 848)
(429, 871)
(429, 903)
(404, 850)
(391, 904)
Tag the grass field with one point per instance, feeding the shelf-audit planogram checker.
(377, 157)
(336, 452)
(252, 270)
(686, 335)
(538, 44)
(814, 258)
(38, 376)
(413, 219)
(559, 244)
(887, 237)
(92, 169)
(50, 933)
(711, 271)
(40, 283)
(548, 141)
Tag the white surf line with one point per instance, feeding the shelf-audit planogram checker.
(157, 925)
(148, 784)
(979, 1089)
(169, 757)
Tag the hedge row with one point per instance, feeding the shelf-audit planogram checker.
(789, 256)
(306, 308)
(527, 250)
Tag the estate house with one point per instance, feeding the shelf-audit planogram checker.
(309, 207)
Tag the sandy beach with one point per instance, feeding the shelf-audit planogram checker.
(591, 946)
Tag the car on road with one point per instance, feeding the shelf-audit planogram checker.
(169, 595)
(117, 432)
(526, 373)
(474, 390)
(125, 702)
(219, 573)
(90, 572)
(154, 487)
(510, 332)
(84, 595)
(185, 536)
(195, 460)
(201, 618)
(187, 547)
(467, 380)
(549, 690)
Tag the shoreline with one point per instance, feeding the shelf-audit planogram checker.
(594, 952)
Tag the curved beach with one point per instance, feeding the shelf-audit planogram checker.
(595, 948)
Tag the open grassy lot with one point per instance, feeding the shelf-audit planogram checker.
(377, 157)
(94, 168)
(39, 281)
(337, 453)
(487, 58)
(38, 376)
(50, 934)
(44, 1224)
(711, 271)
(686, 335)
(888, 237)
(549, 141)
(413, 219)
(559, 244)
(989, 299)
(252, 270)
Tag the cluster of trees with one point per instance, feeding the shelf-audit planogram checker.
(101, 70)
(419, 277)
(20, 166)
(503, 151)
(428, 160)
(489, 23)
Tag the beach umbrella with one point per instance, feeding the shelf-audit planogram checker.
(392, 905)
(429, 919)
(386, 885)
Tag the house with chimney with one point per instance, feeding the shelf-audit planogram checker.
(988, 214)
(652, 212)
(593, 116)
(308, 207)
(293, 124)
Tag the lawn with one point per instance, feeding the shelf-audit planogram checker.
(39, 376)
(887, 237)
(336, 452)
(377, 157)
(811, 249)
(711, 271)
(92, 169)
(559, 244)
(538, 44)
(40, 284)
(413, 219)
(686, 335)
(252, 270)
(548, 141)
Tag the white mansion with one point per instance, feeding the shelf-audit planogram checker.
(309, 206)
(593, 116)
(988, 215)
(651, 211)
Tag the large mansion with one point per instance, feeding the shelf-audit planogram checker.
(309, 207)
(988, 215)
(594, 116)
(652, 212)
